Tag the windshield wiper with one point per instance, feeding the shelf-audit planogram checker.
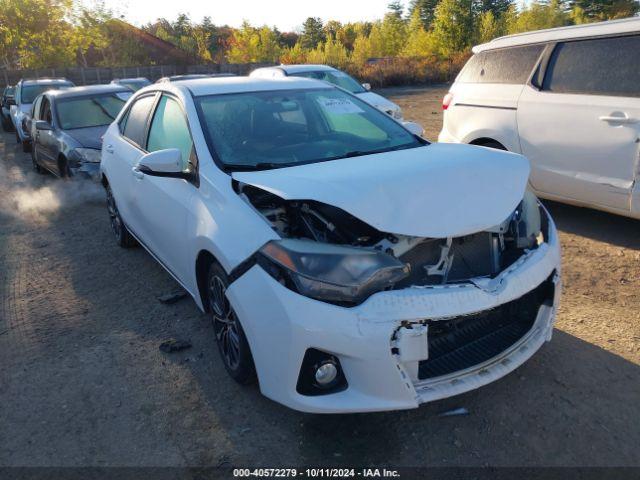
(240, 167)
(360, 153)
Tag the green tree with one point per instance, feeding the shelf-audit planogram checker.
(453, 26)
(244, 44)
(418, 42)
(537, 16)
(269, 49)
(426, 9)
(489, 27)
(395, 7)
(597, 10)
(312, 33)
(394, 33)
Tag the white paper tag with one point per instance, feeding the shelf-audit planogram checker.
(339, 106)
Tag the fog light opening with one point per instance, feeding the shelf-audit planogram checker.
(320, 374)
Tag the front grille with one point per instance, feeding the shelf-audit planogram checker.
(463, 342)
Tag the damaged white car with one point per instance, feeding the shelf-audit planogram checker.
(346, 263)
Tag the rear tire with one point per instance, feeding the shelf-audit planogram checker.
(123, 238)
(26, 146)
(232, 342)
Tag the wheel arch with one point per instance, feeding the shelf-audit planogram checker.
(488, 142)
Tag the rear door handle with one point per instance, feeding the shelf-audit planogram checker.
(621, 120)
(137, 173)
(109, 148)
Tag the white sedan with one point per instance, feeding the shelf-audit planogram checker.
(346, 263)
(335, 77)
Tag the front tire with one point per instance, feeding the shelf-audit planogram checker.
(36, 167)
(230, 337)
(123, 238)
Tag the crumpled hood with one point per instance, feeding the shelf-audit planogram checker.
(377, 101)
(90, 137)
(436, 191)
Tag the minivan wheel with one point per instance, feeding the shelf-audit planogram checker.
(123, 237)
(232, 342)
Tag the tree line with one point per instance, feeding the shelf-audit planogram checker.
(59, 33)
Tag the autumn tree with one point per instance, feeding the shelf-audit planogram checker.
(453, 26)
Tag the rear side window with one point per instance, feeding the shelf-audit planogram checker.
(506, 65)
(136, 121)
(608, 66)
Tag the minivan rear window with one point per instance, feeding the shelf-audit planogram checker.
(606, 66)
(507, 65)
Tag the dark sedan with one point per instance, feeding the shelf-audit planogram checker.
(68, 125)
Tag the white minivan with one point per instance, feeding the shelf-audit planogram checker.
(569, 100)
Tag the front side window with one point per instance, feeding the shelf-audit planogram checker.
(46, 111)
(94, 111)
(30, 92)
(283, 128)
(608, 66)
(169, 129)
(335, 77)
(135, 123)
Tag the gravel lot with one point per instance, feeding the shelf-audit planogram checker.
(82, 381)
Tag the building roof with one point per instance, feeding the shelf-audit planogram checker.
(612, 27)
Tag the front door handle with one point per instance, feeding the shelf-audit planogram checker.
(137, 173)
(109, 148)
(622, 120)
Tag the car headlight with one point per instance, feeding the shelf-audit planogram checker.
(332, 273)
(88, 155)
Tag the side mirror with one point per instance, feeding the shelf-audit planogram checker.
(366, 86)
(41, 125)
(414, 128)
(163, 163)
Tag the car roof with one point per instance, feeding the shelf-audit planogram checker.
(612, 27)
(88, 90)
(130, 79)
(223, 85)
(44, 81)
(291, 69)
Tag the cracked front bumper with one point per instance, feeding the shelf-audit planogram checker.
(281, 325)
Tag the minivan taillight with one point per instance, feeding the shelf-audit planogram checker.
(446, 101)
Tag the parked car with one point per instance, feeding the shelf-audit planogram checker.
(6, 101)
(566, 98)
(193, 76)
(335, 77)
(68, 125)
(349, 264)
(25, 93)
(134, 84)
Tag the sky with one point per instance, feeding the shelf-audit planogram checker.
(287, 15)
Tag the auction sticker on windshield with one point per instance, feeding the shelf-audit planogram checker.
(339, 106)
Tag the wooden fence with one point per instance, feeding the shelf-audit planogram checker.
(97, 75)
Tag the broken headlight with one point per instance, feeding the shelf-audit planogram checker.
(332, 273)
(88, 155)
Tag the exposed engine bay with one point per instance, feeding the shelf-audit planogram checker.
(429, 261)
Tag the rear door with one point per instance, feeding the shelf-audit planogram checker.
(580, 129)
(125, 147)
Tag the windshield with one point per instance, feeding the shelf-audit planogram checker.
(336, 77)
(95, 111)
(261, 130)
(28, 93)
(134, 85)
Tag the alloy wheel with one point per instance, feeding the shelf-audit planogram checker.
(225, 323)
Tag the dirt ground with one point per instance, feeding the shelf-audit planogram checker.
(83, 383)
